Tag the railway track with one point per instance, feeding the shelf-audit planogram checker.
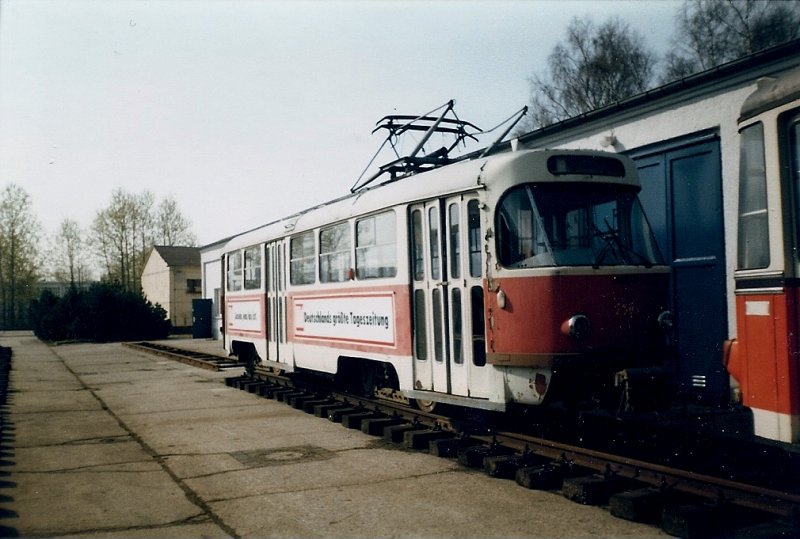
(684, 502)
(198, 359)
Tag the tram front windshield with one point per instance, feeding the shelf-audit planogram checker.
(574, 224)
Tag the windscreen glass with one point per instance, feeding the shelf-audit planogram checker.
(573, 224)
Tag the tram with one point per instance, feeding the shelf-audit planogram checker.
(517, 277)
(764, 357)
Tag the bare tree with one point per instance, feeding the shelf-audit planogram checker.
(69, 260)
(596, 66)
(713, 32)
(142, 209)
(124, 231)
(19, 256)
(117, 234)
(171, 227)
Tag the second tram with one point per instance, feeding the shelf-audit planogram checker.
(764, 357)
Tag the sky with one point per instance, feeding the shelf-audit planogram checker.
(248, 111)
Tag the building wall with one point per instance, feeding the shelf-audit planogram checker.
(168, 287)
(156, 281)
(211, 263)
(182, 294)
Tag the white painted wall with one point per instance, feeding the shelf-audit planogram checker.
(167, 287)
(156, 281)
(211, 264)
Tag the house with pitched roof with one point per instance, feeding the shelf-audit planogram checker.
(172, 278)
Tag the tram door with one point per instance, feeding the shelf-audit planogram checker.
(449, 345)
(276, 301)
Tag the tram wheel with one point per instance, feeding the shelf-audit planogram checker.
(425, 406)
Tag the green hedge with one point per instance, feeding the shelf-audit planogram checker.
(103, 313)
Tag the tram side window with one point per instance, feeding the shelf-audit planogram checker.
(234, 271)
(794, 159)
(418, 262)
(376, 246)
(334, 253)
(457, 329)
(302, 265)
(454, 240)
(252, 268)
(433, 242)
(474, 235)
(420, 326)
(753, 222)
(478, 326)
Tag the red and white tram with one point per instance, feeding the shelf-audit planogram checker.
(485, 282)
(764, 357)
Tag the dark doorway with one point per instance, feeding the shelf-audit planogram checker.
(682, 195)
(201, 318)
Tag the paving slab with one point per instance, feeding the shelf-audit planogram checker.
(105, 441)
(305, 468)
(60, 428)
(87, 455)
(452, 505)
(72, 501)
(73, 468)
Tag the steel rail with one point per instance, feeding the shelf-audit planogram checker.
(716, 489)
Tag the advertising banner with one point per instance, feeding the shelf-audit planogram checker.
(245, 315)
(367, 319)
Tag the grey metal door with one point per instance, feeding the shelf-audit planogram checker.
(682, 195)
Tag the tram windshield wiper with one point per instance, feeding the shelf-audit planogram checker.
(615, 244)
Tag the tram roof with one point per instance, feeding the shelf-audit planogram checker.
(459, 177)
(772, 92)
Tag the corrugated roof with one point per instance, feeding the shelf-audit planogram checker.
(179, 256)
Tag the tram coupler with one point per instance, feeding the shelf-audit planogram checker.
(643, 389)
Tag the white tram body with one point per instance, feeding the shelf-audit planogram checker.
(473, 283)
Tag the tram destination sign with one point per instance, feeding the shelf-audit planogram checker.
(366, 319)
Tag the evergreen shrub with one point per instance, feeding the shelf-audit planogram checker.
(103, 313)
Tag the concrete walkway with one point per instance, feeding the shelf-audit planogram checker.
(104, 441)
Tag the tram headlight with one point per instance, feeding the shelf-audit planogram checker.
(577, 327)
(666, 321)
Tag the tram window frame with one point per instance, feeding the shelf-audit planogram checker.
(790, 162)
(335, 253)
(376, 246)
(517, 213)
(417, 247)
(252, 267)
(753, 213)
(234, 279)
(474, 237)
(303, 259)
(457, 331)
(434, 243)
(454, 239)
(477, 306)
(420, 325)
